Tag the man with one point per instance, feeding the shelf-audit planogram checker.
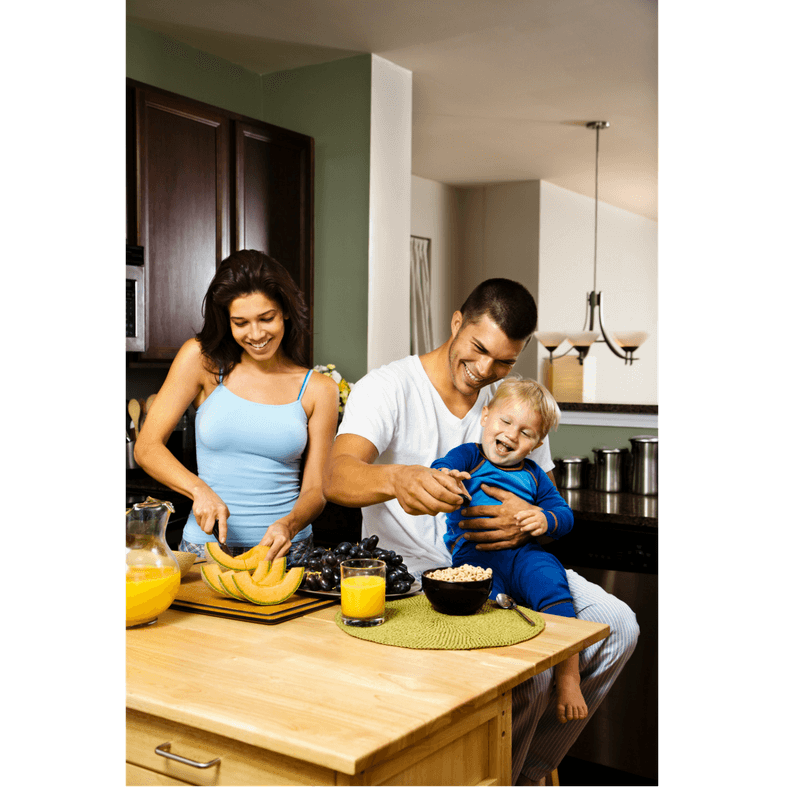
(398, 420)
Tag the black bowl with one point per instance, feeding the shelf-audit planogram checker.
(457, 598)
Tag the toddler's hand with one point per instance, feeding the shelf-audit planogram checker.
(532, 521)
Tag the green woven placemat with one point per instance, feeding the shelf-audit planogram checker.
(413, 623)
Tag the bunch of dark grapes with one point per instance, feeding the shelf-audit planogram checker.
(323, 572)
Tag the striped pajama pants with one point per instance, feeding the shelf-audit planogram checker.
(539, 741)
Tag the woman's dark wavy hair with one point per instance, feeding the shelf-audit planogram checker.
(249, 272)
(507, 302)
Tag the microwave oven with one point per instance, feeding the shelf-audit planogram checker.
(134, 299)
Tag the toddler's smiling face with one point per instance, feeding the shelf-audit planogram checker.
(511, 430)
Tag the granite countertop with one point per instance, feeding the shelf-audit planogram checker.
(610, 408)
(622, 508)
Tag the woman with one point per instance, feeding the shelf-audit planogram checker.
(264, 423)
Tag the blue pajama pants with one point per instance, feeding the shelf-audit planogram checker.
(532, 576)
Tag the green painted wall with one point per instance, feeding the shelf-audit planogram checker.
(160, 61)
(330, 102)
(578, 440)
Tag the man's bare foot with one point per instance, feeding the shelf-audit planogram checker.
(570, 704)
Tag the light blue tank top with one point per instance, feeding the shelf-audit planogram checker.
(249, 454)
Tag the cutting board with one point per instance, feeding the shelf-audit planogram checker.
(196, 597)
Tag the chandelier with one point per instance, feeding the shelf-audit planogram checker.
(622, 344)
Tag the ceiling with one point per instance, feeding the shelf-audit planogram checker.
(502, 89)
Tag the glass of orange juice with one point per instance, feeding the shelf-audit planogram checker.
(363, 592)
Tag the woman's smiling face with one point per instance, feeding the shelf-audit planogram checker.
(257, 325)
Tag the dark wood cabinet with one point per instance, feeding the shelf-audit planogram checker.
(203, 182)
(274, 199)
(185, 218)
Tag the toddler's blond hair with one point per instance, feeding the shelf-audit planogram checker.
(537, 396)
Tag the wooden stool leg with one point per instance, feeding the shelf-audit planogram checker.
(547, 780)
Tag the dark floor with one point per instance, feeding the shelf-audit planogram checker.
(576, 772)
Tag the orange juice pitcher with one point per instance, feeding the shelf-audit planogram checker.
(152, 573)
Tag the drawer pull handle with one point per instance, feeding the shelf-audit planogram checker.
(163, 750)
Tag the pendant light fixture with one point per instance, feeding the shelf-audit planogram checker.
(622, 344)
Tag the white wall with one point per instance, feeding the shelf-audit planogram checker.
(627, 275)
(543, 237)
(388, 316)
(498, 238)
(434, 216)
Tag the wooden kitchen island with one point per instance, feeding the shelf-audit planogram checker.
(302, 703)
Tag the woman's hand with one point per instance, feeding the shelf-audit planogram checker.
(278, 539)
(208, 508)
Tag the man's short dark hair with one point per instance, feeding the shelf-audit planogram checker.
(508, 303)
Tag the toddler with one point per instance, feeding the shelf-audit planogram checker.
(515, 422)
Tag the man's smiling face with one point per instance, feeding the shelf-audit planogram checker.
(480, 354)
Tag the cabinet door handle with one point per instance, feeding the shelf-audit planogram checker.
(163, 750)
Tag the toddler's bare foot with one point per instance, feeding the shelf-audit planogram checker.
(569, 700)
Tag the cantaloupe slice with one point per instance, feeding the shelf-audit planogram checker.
(269, 595)
(246, 561)
(214, 553)
(274, 576)
(210, 572)
(227, 583)
(254, 556)
(261, 571)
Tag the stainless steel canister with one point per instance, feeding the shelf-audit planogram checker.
(644, 470)
(608, 468)
(570, 472)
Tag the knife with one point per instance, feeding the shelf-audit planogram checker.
(222, 546)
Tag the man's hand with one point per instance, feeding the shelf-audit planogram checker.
(422, 490)
(500, 530)
(460, 476)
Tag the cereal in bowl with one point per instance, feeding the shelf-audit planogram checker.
(466, 572)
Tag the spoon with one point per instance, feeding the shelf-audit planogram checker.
(504, 601)
(135, 411)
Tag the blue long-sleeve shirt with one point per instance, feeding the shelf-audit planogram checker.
(526, 480)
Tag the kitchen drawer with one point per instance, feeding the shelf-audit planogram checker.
(472, 746)
(240, 764)
(138, 776)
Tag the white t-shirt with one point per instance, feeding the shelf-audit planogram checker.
(397, 408)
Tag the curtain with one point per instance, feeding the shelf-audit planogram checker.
(421, 326)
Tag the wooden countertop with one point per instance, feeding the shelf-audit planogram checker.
(306, 689)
